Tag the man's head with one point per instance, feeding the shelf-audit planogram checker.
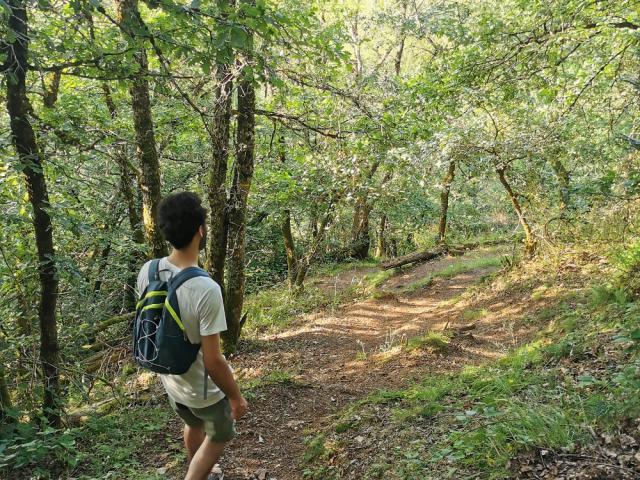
(181, 217)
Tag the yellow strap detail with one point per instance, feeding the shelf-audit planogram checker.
(173, 314)
(153, 305)
(152, 293)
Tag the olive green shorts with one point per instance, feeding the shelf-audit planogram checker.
(215, 419)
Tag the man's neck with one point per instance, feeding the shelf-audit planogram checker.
(184, 258)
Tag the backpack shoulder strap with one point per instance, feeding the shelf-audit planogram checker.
(184, 275)
(153, 270)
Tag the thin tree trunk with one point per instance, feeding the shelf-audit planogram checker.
(530, 243)
(133, 212)
(50, 92)
(360, 238)
(290, 249)
(130, 22)
(444, 201)
(381, 245)
(287, 235)
(237, 223)
(30, 158)
(564, 179)
(403, 37)
(305, 262)
(5, 396)
(313, 221)
(216, 184)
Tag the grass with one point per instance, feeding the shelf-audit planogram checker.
(330, 269)
(457, 268)
(436, 342)
(548, 394)
(276, 308)
(250, 388)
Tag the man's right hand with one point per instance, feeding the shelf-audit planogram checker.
(239, 407)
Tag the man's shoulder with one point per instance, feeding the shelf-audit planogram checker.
(201, 284)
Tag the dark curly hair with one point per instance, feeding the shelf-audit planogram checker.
(179, 217)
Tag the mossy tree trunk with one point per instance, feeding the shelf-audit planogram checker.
(381, 244)
(130, 23)
(31, 164)
(5, 396)
(216, 183)
(444, 201)
(530, 243)
(237, 209)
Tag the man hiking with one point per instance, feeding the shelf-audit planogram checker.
(206, 397)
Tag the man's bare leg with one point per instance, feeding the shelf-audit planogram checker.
(193, 438)
(204, 459)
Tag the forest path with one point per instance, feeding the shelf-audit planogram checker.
(329, 359)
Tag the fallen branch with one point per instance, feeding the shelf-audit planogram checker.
(415, 257)
(104, 324)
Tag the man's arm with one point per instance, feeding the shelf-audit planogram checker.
(221, 374)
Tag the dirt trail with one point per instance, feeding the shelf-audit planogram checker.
(331, 359)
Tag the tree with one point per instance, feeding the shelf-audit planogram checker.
(132, 26)
(237, 209)
(30, 162)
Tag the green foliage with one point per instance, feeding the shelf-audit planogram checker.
(42, 451)
(112, 445)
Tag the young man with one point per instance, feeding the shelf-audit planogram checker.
(209, 417)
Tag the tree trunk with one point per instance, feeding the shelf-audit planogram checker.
(530, 243)
(414, 257)
(50, 92)
(133, 212)
(563, 181)
(381, 246)
(130, 23)
(30, 162)
(5, 397)
(360, 239)
(305, 262)
(216, 184)
(313, 221)
(287, 235)
(403, 36)
(243, 174)
(444, 201)
(290, 249)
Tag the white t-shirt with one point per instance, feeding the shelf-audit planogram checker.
(202, 313)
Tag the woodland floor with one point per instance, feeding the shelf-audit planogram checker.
(326, 360)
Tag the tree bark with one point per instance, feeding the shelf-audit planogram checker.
(530, 243)
(305, 262)
(290, 249)
(133, 212)
(444, 201)
(50, 92)
(403, 37)
(414, 257)
(130, 22)
(5, 397)
(287, 235)
(30, 162)
(360, 238)
(237, 222)
(216, 184)
(564, 179)
(381, 246)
